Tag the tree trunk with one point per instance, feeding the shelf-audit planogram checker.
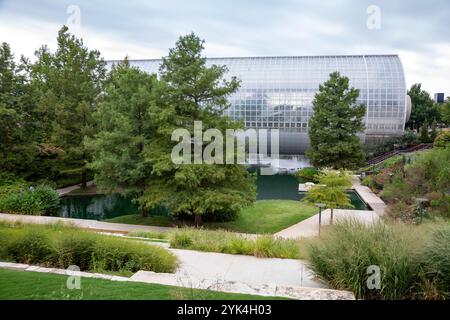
(143, 211)
(83, 179)
(331, 216)
(198, 220)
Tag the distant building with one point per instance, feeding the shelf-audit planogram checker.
(277, 92)
(439, 97)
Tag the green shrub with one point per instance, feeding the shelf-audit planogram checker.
(20, 199)
(343, 254)
(308, 174)
(61, 246)
(234, 243)
(114, 254)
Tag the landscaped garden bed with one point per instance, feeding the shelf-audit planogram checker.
(61, 246)
(413, 260)
(263, 246)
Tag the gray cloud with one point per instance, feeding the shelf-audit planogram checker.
(259, 28)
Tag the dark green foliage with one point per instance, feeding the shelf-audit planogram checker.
(21, 199)
(124, 128)
(69, 82)
(61, 246)
(20, 153)
(335, 124)
(423, 108)
(190, 91)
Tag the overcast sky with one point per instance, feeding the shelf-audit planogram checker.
(417, 30)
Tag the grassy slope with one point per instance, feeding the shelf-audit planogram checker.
(33, 285)
(269, 216)
(265, 216)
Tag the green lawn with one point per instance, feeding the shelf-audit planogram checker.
(265, 216)
(26, 285)
(160, 221)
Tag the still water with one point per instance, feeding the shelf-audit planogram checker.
(102, 207)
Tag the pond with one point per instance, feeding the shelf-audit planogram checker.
(285, 187)
(96, 207)
(102, 207)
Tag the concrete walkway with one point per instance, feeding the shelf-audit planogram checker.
(368, 196)
(310, 227)
(240, 274)
(82, 223)
(221, 267)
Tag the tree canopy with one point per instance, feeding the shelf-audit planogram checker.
(190, 91)
(70, 82)
(124, 128)
(424, 110)
(335, 124)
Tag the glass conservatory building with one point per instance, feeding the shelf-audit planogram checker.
(277, 92)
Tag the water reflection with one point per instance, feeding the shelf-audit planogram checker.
(96, 207)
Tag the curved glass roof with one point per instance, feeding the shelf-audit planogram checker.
(277, 92)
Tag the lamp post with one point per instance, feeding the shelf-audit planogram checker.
(420, 202)
(320, 206)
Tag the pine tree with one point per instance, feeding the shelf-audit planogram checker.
(335, 124)
(19, 124)
(124, 127)
(190, 91)
(70, 82)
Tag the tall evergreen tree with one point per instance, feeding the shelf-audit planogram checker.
(335, 124)
(190, 91)
(124, 127)
(19, 124)
(70, 81)
(9, 115)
